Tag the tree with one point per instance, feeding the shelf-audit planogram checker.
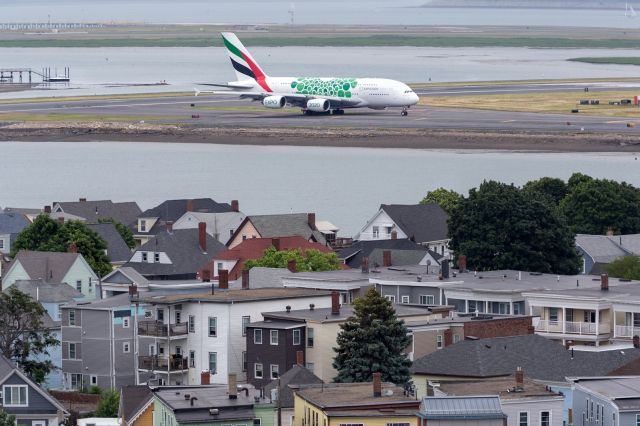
(46, 234)
(372, 341)
(445, 198)
(23, 337)
(123, 230)
(554, 188)
(7, 419)
(625, 267)
(499, 226)
(593, 206)
(108, 404)
(307, 260)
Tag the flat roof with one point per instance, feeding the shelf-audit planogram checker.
(502, 386)
(235, 296)
(612, 387)
(346, 311)
(281, 325)
(464, 318)
(339, 395)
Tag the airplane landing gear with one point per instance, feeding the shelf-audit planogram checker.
(404, 112)
(338, 112)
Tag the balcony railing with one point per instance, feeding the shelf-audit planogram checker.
(570, 327)
(159, 329)
(626, 331)
(163, 363)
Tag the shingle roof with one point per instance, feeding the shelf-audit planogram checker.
(132, 400)
(296, 375)
(353, 255)
(174, 209)
(342, 395)
(6, 366)
(461, 407)
(47, 265)
(117, 249)
(540, 358)
(12, 223)
(125, 213)
(421, 222)
(217, 223)
(277, 225)
(48, 292)
(398, 257)
(600, 248)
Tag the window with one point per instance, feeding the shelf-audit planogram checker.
(309, 337)
(15, 395)
(523, 418)
(93, 380)
(257, 422)
(160, 315)
(545, 418)
(637, 419)
(73, 351)
(156, 257)
(274, 371)
(72, 317)
(178, 317)
(192, 359)
(553, 315)
(439, 341)
(376, 232)
(456, 338)
(297, 337)
(143, 226)
(192, 324)
(405, 299)
(274, 337)
(213, 362)
(426, 299)
(79, 285)
(126, 348)
(213, 326)
(1, 243)
(245, 322)
(310, 366)
(397, 424)
(257, 336)
(391, 298)
(220, 266)
(351, 424)
(590, 316)
(152, 349)
(178, 350)
(257, 370)
(145, 257)
(244, 360)
(125, 322)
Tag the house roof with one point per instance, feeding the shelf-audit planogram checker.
(353, 255)
(117, 301)
(172, 210)
(48, 265)
(461, 407)
(260, 277)
(254, 248)
(600, 248)
(346, 311)
(125, 213)
(117, 249)
(277, 225)
(48, 292)
(295, 376)
(502, 355)
(182, 247)
(421, 222)
(236, 296)
(133, 399)
(352, 395)
(501, 386)
(12, 223)
(130, 273)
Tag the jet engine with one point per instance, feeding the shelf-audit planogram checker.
(274, 101)
(318, 105)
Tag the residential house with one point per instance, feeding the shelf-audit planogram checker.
(185, 334)
(175, 255)
(598, 251)
(55, 267)
(220, 226)
(350, 283)
(606, 401)
(276, 226)
(136, 406)
(162, 217)
(523, 401)
(11, 224)
(330, 232)
(98, 342)
(122, 279)
(463, 411)
(425, 224)
(24, 399)
(338, 404)
(51, 296)
(92, 211)
(117, 250)
(281, 390)
(402, 252)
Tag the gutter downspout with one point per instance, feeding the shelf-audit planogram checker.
(113, 350)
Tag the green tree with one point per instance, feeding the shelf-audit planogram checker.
(108, 404)
(556, 189)
(626, 267)
(594, 206)
(500, 226)
(372, 341)
(445, 198)
(7, 419)
(23, 337)
(123, 230)
(46, 234)
(307, 260)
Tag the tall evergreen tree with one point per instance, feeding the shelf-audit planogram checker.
(372, 341)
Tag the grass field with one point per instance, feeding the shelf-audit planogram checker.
(548, 102)
(616, 60)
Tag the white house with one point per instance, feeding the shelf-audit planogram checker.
(220, 226)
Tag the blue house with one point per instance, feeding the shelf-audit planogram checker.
(606, 401)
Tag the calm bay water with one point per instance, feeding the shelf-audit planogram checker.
(342, 185)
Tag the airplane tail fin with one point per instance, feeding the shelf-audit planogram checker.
(243, 63)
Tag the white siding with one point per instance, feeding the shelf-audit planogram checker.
(533, 407)
(383, 222)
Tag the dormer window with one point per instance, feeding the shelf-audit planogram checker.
(145, 257)
(142, 225)
(156, 257)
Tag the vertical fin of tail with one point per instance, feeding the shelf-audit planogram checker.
(243, 63)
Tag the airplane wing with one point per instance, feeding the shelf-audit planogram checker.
(234, 85)
(298, 100)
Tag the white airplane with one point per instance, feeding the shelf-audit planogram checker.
(312, 94)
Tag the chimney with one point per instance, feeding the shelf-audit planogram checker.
(610, 231)
(61, 220)
(311, 219)
(189, 205)
(604, 282)
(206, 275)
(335, 303)
(386, 258)
(205, 378)
(377, 384)
(235, 206)
(448, 337)
(519, 377)
(47, 209)
(291, 265)
(365, 265)
(245, 279)
(73, 248)
(462, 263)
(300, 358)
(169, 226)
(233, 386)
(636, 341)
(394, 235)
(531, 329)
(444, 268)
(276, 243)
(83, 200)
(202, 236)
(223, 279)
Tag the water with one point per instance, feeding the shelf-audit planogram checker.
(342, 185)
(96, 71)
(351, 12)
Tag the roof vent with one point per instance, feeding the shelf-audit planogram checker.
(213, 411)
(387, 392)
(187, 396)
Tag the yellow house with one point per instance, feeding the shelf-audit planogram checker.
(136, 406)
(355, 404)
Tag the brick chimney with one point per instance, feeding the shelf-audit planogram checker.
(311, 219)
(604, 282)
(223, 279)
(519, 377)
(205, 378)
(365, 265)
(235, 205)
(245, 279)
(189, 205)
(394, 235)
(636, 341)
(202, 236)
(335, 303)
(47, 209)
(386, 258)
(73, 248)
(206, 275)
(377, 384)
(275, 242)
(61, 220)
(462, 263)
(300, 358)
(531, 329)
(448, 338)
(291, 265)
(170, 226)
(233, 386)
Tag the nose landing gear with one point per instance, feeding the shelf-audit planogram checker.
(404, 112)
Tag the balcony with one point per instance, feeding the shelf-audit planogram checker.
(159, 329)
(570, 327)
(163, 363)
(626, 331)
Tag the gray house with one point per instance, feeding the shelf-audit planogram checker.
(11, 224)
(598, 251)
(462, 411)
(606, 401)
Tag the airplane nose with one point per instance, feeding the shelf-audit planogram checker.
(414, 99)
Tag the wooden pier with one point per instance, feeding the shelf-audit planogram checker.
(26, 76)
